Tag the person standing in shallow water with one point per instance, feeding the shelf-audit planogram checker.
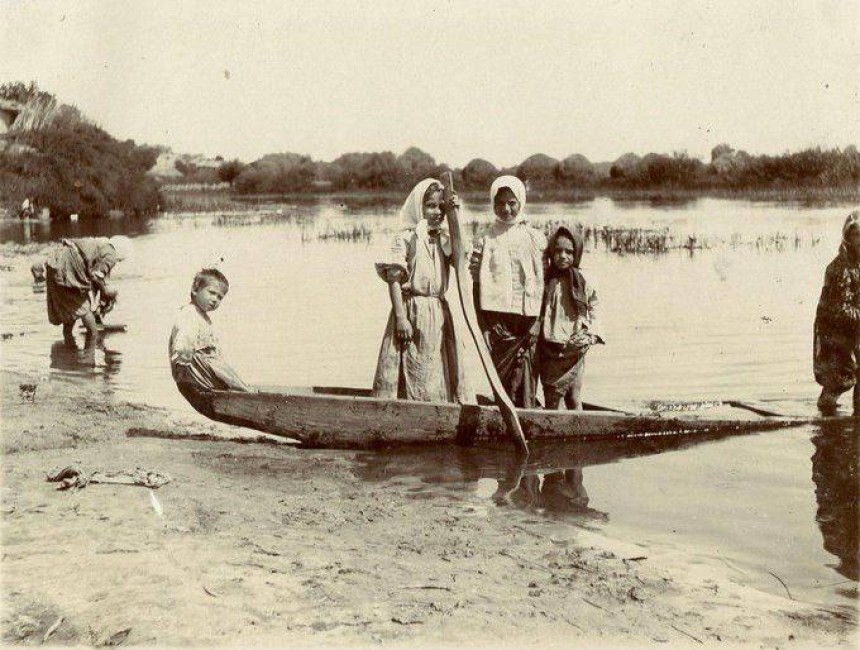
(77, 272)
(836, 347)
(507, 268)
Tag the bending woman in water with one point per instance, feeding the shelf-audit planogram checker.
(77, 271)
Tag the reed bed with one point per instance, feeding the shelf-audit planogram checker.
(355, 233)
(619, 240)
(783, 241)
(199, 200)
(255, 218)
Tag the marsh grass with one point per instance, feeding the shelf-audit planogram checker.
(356, 233)
(376, 220)
(199, 200)
(260, 218)
(619, 240)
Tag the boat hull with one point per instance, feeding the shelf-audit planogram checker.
(350, 419)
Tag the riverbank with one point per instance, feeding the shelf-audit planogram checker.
(201, 199)
(264, 543)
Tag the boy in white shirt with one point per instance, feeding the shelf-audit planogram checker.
(195, 360)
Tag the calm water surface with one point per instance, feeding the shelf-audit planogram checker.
(732, 320)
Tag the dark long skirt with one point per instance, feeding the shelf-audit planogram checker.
(835, 356)
(65, 304)
(560, 368)
(513, 353)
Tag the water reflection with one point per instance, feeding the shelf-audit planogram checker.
(835, 473)
(86, 360)
(551, 481)
(26, 232)
(561, 492)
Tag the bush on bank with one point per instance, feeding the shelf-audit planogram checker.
(72, 166)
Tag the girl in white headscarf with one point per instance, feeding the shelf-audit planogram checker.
(420, 357)
(507, 268)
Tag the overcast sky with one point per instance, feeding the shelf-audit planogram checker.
(496, 80)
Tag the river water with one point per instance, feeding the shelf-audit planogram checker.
(728, 317)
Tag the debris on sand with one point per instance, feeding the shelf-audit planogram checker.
(52, 629)
(75, 477)
(116, 638)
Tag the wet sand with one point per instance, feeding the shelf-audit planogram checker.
(263, 543)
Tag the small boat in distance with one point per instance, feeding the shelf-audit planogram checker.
(349, 418)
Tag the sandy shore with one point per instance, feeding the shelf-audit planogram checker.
(262, 543)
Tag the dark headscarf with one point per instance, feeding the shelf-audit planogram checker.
(853, 221)
(552, 275)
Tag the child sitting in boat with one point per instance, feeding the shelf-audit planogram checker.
(507, 267)
(420, 357)
(195, 360)
(568, 321)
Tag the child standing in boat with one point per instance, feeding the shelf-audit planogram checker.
(507, 267)
(420, 357)
(568, 321)
(195, 360)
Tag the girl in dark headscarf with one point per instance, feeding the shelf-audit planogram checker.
(836, 347)
(568, 321)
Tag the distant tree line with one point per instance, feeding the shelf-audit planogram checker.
(69, 165)
(730, 169)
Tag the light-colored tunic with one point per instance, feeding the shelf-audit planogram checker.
(562, 362)
(508, 264)
(195, 357)
(562, 319)
(192, 332)
(80, 262)
(430, 367)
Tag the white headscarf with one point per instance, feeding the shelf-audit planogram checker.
(516, 186)
(122, 245)
(412, 214)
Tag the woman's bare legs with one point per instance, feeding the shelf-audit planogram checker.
(89, 321)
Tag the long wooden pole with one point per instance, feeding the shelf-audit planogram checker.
(464, 291)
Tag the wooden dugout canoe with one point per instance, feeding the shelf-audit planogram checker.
(345, 418)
